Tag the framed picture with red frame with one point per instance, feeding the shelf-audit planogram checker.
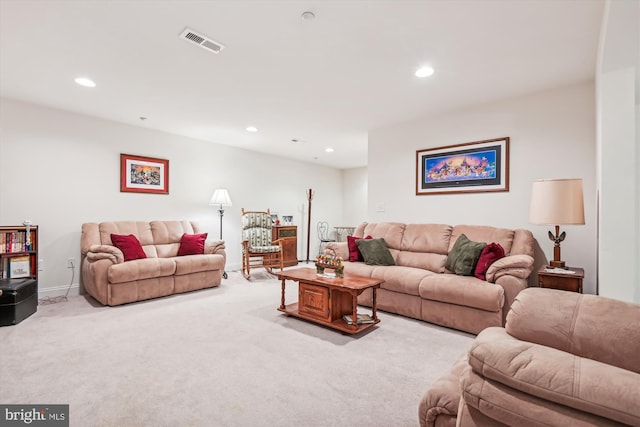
(140, 174)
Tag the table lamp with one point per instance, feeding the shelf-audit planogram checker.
(557, 202)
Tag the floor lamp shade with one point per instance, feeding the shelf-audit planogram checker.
(220, 198)
(557, 202)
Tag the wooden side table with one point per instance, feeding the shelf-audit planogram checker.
(563, 281)
(289, 236)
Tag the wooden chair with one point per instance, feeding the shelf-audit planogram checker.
(258, 250)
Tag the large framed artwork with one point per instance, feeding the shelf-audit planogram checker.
(144, 174)
(474, 167)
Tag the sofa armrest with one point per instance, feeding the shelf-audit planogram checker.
(519, 266)
(214, 247)
(98, 252)
(340, 249)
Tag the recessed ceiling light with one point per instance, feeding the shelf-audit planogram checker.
(425, 71)
(329, 150)
(308, 16)
(252, 129)
(83, 81)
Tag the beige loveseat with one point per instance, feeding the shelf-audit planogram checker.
(113, 281)
(418, 285)
(563, 359)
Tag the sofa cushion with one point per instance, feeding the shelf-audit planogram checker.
(391, 232)
(425, 246)
(375, 252)
(196, 263)
(129, 245)
(141, 269)
(398, 278)
(462, 290)
(427, 238)
(490, 254)
(354, 252)
(486, 234)
(167, 236)
(463, 257)
(192, 244)
(556, 376)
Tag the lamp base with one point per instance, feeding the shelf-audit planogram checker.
(557, 264)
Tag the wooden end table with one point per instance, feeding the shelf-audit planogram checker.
(324, 300)
(563, 281)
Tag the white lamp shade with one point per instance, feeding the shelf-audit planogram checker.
(220, 198)
(557, 202)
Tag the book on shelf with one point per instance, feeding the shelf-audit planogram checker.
(19, 267)
(362, 319)
(16, 241)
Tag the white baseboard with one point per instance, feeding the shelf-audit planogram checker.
(56, 291)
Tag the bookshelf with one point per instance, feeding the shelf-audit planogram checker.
(18, 252)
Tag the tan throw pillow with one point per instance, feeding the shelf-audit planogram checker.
(375, 252)
(464, 256)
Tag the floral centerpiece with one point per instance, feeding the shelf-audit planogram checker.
(331, 262)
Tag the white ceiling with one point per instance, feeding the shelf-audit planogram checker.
(326, 82)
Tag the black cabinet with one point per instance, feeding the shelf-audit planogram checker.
(18, 301)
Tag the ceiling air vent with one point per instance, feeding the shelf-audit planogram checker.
(201, 40)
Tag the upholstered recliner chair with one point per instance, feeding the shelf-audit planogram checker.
(258, 248)
(562, 359)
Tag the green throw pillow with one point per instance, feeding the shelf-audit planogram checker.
(375, 252)
(464, 256)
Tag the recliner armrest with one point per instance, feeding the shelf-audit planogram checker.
(556, 376)
(520, 266)
(590, 326)
(214, 247)
(98, 252)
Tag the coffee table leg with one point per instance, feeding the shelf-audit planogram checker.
(374, 308)
(282, 298)
(354, 314)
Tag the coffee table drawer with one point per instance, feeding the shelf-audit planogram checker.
(313, 300)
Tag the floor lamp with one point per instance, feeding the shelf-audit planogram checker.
(221, 198)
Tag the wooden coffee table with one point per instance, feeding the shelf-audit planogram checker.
(324, 300)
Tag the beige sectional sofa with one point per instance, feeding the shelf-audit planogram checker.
(418, 285)
(111, 280)
(563, 359)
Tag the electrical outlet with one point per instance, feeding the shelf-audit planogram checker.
(71, 262)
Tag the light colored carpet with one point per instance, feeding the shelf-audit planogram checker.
(220, 357)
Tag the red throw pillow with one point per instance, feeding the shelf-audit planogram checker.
(490, 254)
(129, 245)
(354, 252)
(192, 244)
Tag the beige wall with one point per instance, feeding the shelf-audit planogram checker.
(61, 169)
(552, 136)
(354, 196)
